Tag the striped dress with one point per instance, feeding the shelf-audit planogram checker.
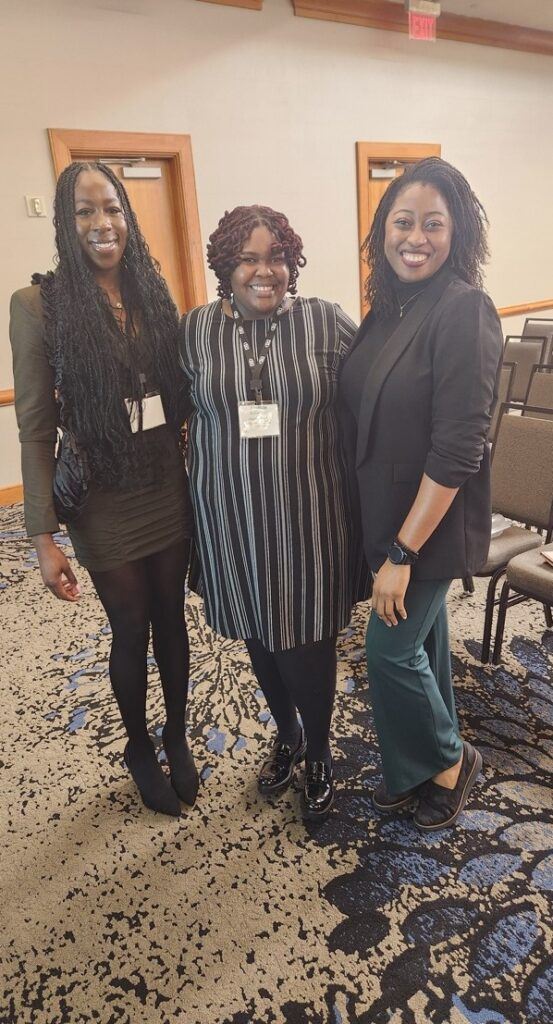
(272, 514)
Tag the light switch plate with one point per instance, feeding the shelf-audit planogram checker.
(36, 206)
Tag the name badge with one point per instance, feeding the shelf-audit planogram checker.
(152, 412)
(258, 419)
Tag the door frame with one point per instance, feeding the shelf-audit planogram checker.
(408, 152)
(68, 144)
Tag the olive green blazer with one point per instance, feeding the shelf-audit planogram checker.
(35, 409)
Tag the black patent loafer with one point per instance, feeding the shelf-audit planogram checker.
(318, 791)
(440, 807)
(277, 771)
(386, 803)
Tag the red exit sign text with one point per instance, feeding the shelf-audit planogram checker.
(422, 26)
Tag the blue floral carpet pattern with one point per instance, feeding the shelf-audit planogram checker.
(236, 913)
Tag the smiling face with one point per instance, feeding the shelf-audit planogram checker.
(99, 220)
(260, 281)
(418, 233)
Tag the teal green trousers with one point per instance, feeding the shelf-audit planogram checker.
(409, 670)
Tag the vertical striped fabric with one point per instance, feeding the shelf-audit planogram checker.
(272, 514)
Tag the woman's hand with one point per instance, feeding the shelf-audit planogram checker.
(390, 584)
(56, 571)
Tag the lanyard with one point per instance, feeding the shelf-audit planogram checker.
(256, 366)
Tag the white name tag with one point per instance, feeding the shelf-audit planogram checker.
(258, 419)
(152, 412)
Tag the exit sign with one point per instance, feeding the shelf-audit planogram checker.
(422, 26)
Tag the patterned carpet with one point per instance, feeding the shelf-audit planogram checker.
(238, 914)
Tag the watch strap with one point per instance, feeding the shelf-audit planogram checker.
(408, 556)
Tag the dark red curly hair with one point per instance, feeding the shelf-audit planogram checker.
(234, 229)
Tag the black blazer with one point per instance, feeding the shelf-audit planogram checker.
(426, 408)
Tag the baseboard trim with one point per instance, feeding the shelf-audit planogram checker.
(9, 495)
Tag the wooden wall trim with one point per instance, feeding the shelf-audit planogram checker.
(457, 27)
(252, 5)
(69, 144)
(9, 495)
(6, 397)
(526, 307)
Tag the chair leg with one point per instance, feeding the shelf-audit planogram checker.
(468, 584)
(488, 616)
(548, 616)
(500, 627)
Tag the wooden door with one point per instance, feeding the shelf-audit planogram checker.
(374, 160)
(163, 197)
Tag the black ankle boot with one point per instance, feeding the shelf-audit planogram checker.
(151, 781)
(184, 774)
(318, 791)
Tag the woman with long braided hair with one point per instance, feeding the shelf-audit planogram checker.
(95, 348)
(419, 387)
(269, 483)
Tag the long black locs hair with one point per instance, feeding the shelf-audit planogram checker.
(469, 246)
(97, 363)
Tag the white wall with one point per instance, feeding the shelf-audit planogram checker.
(274, 105)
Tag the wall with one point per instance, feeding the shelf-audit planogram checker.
(274, 105)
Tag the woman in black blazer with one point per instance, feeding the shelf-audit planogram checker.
(418, 388)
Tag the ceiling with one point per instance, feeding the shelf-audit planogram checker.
(530, 13)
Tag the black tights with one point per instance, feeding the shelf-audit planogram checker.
(302, 679)
(148, 591)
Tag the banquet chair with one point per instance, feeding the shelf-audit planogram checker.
(525, 354)
(522, 491)
(528, 575)
(504, 390)
(536, 327)
(540, 391)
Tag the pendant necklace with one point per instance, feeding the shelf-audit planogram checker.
(118, 311)
(413, 297)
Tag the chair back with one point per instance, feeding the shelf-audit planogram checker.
(534, 327)
(504, 388)
(522, 468)
(525, 354)
(540, 392)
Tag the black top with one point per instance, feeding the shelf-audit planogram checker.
(425, 408)
(376, 335)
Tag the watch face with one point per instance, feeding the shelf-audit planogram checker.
(395, 554)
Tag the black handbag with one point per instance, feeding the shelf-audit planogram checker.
(71, 478)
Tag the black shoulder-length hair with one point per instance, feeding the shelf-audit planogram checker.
(469, 247)
(97, 362)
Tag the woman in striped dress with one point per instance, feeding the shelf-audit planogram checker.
(268, 483)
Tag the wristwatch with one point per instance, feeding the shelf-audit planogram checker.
(400, 554)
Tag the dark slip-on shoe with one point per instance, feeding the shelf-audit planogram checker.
(440, 807)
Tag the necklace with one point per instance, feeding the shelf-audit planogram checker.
(413, 297)
(118, 311)
(116, 303)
